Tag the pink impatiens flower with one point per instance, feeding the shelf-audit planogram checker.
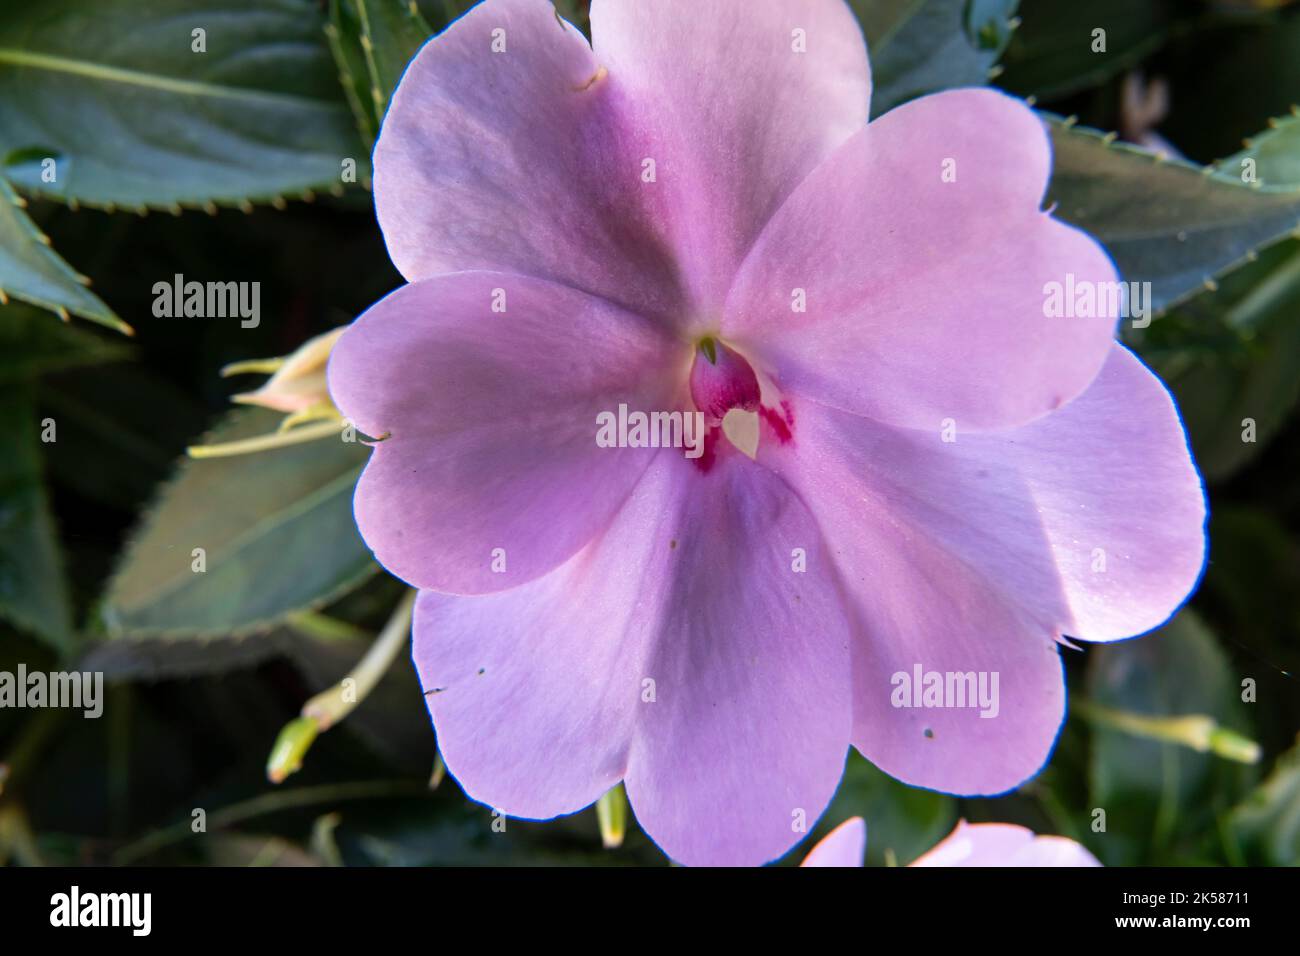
(692, 215)
(970, 844)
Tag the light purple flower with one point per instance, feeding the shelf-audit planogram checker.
(580, 229)
(970, 844)
(845, 846)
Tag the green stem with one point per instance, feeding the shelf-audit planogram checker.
(1197, 731)
(330, 706)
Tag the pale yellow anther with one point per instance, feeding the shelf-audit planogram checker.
(741, 429)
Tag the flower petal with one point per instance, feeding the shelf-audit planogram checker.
(973, 555)
(534, 692)
(505, 149)
(631, 172)
(491, 475)
(1003, 844)
(736, 102)
(1091, 519)
(924, 299)
(915, 605)
(679, 649)
(1108, 539)
(846, 845)
(745, 743)
(921, 610)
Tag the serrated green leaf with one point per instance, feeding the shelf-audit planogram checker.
(922, 46)
(33, 590)
(344, 34)
(276, 530)
(30, 270)
(392, 32)
(1167, 222)
(1153, 791)
(1272, 159)
(32, 345)
(372, 42)
(114, 92)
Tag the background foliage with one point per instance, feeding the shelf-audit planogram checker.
(226, 166)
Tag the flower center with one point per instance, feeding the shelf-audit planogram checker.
(727, 392)
(721, 380)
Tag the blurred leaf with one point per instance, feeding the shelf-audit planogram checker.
(30, 270)
(1266, 824)
(231, 849)
(33, 591)
(1167, 222)
(391, 721)
(577, 12)
(277, 532)
(1254, 575)
(1228, 77)
(164, 658)
(126, 419)
(1152, 791)
(904, 820)
(32, 345)
(1232, 357)
(133, 116)
(922, 46)
(1052, 53)
(462, 835)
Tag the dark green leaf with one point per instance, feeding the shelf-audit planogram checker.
(1232, 359)
(32, 345)
(1152, 792)
(33, 591)
(1254, 578)
(276, 531)
(134, 116)
(344, 33)
(1166, 222)
(1228, 75)
(1272, 158)
(1267, 824)
(577, 12)
(30, 270)
(922, 46)
(126, 419)
(1056, 51)
(392, 32)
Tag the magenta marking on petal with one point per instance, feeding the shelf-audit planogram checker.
(710, 454)
(781, 422)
